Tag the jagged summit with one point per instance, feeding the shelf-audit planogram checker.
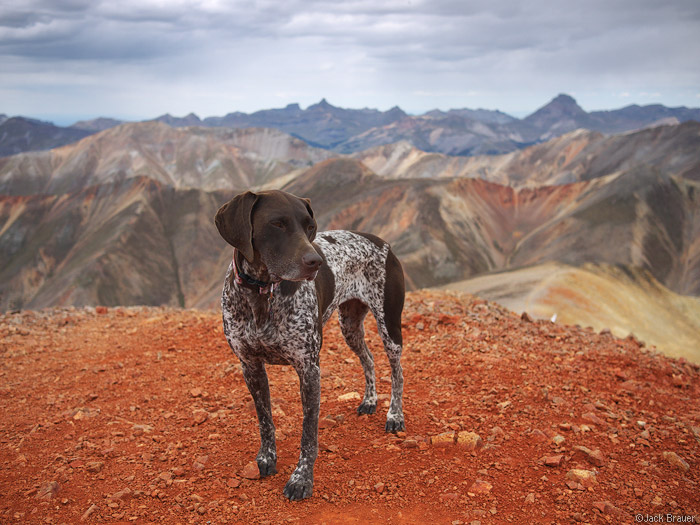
(560, 115)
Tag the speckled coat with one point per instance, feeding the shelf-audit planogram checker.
(358, 273)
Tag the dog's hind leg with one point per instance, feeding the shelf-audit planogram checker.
(351, 315)
(389, 325)
(256, 380)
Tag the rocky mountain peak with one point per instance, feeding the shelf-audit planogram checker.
(322, 105)
(560, 107)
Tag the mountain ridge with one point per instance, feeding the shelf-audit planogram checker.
(124, 216)
(640, 208)
(455, 131)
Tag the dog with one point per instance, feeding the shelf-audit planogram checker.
(281, 287)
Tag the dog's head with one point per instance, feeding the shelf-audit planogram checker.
(274, 229)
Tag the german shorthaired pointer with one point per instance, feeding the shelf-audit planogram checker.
(280, 289)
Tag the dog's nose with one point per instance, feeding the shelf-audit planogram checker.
(312, 261)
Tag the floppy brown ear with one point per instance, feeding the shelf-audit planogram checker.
(307, 202)
(233, 220)
(308, 206)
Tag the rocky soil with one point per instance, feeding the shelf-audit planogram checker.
(141, 415)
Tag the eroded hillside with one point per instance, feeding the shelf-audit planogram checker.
(620, 299)
(124, 217)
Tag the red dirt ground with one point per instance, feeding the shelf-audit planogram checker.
(141, 415)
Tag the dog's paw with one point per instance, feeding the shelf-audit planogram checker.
(366, 408)
(395, 424)
(298, 488)
(267, 466)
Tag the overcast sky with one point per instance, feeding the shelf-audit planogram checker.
(65, 60)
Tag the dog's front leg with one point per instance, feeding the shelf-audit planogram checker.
(256, 380)
(300, 484)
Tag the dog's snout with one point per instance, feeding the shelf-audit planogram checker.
(312, 261)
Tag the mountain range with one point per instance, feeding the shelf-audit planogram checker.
(124, 216)
(623, 199)
(454, 132)
(19, 134)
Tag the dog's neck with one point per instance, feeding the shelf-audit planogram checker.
(256, 285)
(254, 276)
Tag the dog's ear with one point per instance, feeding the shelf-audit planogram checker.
(234, 222)
(307, 202)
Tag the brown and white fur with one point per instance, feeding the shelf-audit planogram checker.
(283, 284)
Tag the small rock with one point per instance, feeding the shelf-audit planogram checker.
(594, 457)
(251, 471)
(696, 433)
(379, 487)
(48, 491)
(101, 310)
(558, 439)
(574, 485)
(480, 487)
(326, 422)
(605, 507)
(196, 392)
(89, 512)
(587, 478)
(442, 440)
(553, 461)
(497, 435)
(350, 396)
(165, 476)
(676, 461)
(200, 416)
(526, 317)
(139, 430)
(234, 483)
(123, 494)
(94, 466)
(590, 417)
(530, 498)
(469, 440)
(201, 461)
(538, 435)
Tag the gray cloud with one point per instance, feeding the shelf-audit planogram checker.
(143, 57)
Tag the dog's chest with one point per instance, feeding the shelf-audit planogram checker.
(288, 333)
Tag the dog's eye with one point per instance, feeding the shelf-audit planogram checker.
(277, 224)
